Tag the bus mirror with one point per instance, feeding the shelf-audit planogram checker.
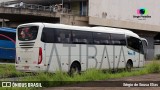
(145, 40)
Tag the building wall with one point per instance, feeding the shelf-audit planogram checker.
(74, 20)
(119, 13)
(47, 2)
(6, 0)
(123, 14)
(156, 50)
(149, 50)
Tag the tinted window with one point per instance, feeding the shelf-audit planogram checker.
(157, 42)
(101, 38)
(157, 39)
(63, 36)
(118, 39)
(82, 37)
(7, 34)
(27, 33)
(48, 35)
(135, 44)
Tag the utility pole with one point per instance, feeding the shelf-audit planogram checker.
(62, 6)
(61, 13)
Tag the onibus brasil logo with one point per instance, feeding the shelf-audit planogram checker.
(21, 84)
(142, 14)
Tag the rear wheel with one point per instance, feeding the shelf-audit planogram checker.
(75, 69)
(129, 66)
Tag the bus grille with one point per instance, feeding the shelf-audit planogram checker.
(26, 44)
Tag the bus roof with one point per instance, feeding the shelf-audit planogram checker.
(8, 29)
(84, 28)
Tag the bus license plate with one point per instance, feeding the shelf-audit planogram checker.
(26, 67)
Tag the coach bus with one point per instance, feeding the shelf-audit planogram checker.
(57, 47)
(7, 44)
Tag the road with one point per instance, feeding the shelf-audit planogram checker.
(148, 78)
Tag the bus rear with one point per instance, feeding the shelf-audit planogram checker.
(29, 50)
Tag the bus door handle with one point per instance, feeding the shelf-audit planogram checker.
(92, 57)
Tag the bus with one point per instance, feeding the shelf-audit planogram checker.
(50, 47)
(7, 44)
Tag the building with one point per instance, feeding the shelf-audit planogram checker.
(5, 0)
(139, 16)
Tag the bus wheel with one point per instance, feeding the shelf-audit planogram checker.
(129, 66)
(75, 69)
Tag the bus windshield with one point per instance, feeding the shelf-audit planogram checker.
(27, 33)
(135, 44)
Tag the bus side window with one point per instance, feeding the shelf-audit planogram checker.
(96, 42)
(48, 35)
(74, 39)
(84, 41)
(118, 39)
(43, 37)
(101, 38)
(82, 37)
(106, 42)
(63, 36)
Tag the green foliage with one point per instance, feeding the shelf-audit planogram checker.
(153, 67)
(157, 57)
(61, 78)
(7, 70)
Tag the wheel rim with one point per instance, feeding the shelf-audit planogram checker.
(128, 67)
(74, 70)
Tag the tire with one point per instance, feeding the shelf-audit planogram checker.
(74, 69)
(129, 67)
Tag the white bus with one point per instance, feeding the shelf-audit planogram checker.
(57, 47)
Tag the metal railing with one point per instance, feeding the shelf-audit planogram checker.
(41, 8)
(26, 6)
